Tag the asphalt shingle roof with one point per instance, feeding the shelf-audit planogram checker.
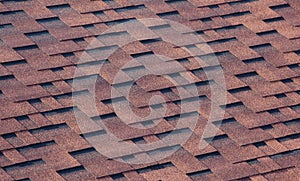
(43, 43)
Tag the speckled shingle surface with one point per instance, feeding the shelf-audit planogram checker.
(257, 43)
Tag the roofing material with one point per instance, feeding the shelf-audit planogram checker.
(257, 43)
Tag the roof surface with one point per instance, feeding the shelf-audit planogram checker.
(257, 43)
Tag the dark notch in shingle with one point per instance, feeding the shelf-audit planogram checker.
(26, 164)
(215, 6)
(276, 7)
(254, 60)
(246, 75)
(124, 84)
(238, 90)
(279, 96)
(294, 66)
(38, 33)
(108, 116)
(228, 28)
(202, 83)
(295, 107)
(286, 153)
(147, 123)
(201, 173)
(259, 144)
(70, 170)
(267, 33)
(128, 157)
(11, 13)
(57, 69)
(204, 20)
(7, 77)
(130, 8)
(25, 179)
(142, 54)
(13, 1)
(175, 1)
(58, 111)
(29, 47)
(172, 118)
(9, 135)
(149, 41)
(292, 122)
(98, 13)
(88, 26)
(93, 134)
(92, 63)
(166, 90)
(19, 62)
(173, 132)
(155, 167)
(241, 2)
(200, 32)
(159, 27)
(236, 14)
(49, 128)
(47, 85)
(195, 71)
(262, 46)
(22, 118)
(225, 40)
(171, 13)
(267, 127)
(252, 161)
(289, 137)
(219, 54)
(178, 116)
(287, 80)
(117, 22)
(59, 7)
(232, 105)
(82, 152)
(216, 138)
(36, 146)
(271, 20)
(66, 95)
(69, 54)
(208, 155)
(297, 52)
(224, 121)
(139, 140)
(117, 176)
(274, 111)
(163, 150)
(110, 101)
(112, 34)
(132, 69)
(4, 26)
(157, 106)
(48, 20)
(78, 40)
(97, 51)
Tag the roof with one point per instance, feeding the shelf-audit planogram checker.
(141, 103)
